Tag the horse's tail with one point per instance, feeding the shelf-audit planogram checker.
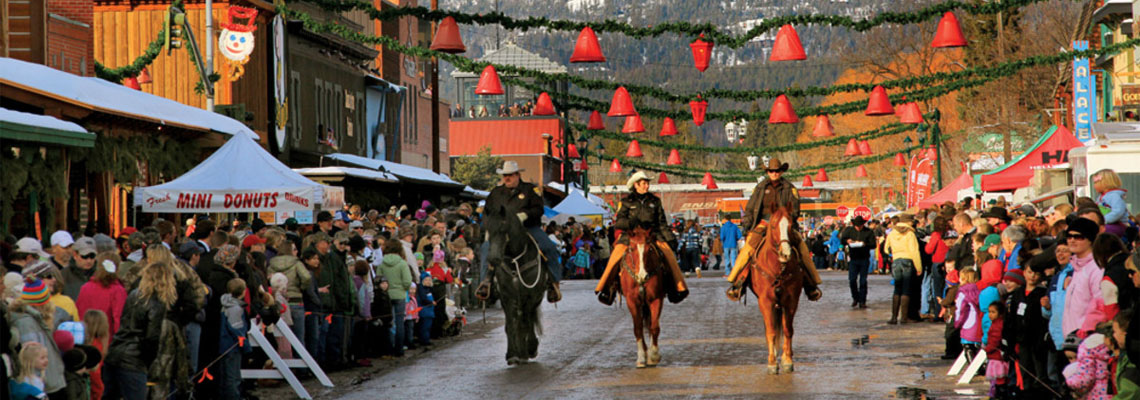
(538, 320)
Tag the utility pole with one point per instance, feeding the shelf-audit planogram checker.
(1006, 141)
(209, 55)
(434, 99)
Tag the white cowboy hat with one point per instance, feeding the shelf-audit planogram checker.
(637, 176)
(509, 167)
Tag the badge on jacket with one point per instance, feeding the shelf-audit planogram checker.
(522, 196)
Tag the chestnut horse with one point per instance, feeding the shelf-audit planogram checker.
(777, 280)
(643, 283)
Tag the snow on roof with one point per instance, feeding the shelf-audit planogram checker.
(348, 171)
(482, 194)
(111, 98)
(42, 121)
(512, 54)
(400, 170)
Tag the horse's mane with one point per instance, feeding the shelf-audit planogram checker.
(773, 225)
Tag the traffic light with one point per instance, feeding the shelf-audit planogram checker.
(174, 22)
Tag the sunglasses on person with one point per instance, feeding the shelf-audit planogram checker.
(88, 257)
(1076, 236)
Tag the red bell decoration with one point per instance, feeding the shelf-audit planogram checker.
(132, 83)
(663, 179)
(699, 107)
(807, 182)
(821, 176)
(144, 76)
(865, 148)
(787, 46)
(596, 123)
(823, 127)
(634, 149)
(633, 124)
(702, 52)
(587, 48)
(615, 166)
(572, 151)
(782, 112)
(909, 113)
(447, 37)
(709, 182)
(949, 33)
(674, 157)
(852, 148)
(861, 172)
(668, 127)
(584, 165)
(622, 104)
(879, 104)
(900, 160)
(931, 154)
(543, 106)
(489, 82)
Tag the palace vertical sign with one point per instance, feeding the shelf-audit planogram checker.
(1084, 95)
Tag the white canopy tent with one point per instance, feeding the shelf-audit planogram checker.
(576, 203)
(239, 177)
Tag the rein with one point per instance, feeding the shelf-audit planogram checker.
(518, 269)
(640, 281)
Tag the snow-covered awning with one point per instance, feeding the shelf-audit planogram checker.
(475, 193)
(361, 173)
(401, 171)
(15, 125)
(110, 98)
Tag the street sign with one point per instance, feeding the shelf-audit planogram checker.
(841, 211)
(863, 211)
(828, 220)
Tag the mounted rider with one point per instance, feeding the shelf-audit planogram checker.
(769, 195)
(523, 200)
(640, 208)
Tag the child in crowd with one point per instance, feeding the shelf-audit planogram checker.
(279, 285)
(382, 320)
(1127, 378)
(949, 311)
(996, 368)
(411, 315)
(232, 343)
(1088, 375)
(427, 309)
(29, 383)
(442, 279)
(969, 316)
(77, 364)
(98, 336)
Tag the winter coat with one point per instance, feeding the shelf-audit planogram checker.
(937, 248)
(524, 198)
(135, 345)
(1083, 288)
(1056, 310)
(729, 234)
(109, 299)
(334, 274)
(962, 253)
(395, 269)
(991, 274)
(74, 278)
(986, 297)
(424, 300)
(294, 269)
(363, 296)
(78, 386)
(1024, 324)
(968, 317)
(1127, 379)
(853, 234)
(410, 259)
(28, 325)
(233, 323)
(643, 210)
(1009, 259)
(780, 193)
(1089, 374)
(902, 243)
(994, 345)
(1118, 275)
(833, 243)
(1118, 209)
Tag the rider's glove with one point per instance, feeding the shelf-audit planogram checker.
(522, 217)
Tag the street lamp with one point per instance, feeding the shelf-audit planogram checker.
(583, 145)
(753, 160)
(907, 141)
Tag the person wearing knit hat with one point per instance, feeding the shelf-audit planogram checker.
(64, 340)
(227, 255)
(1013, 279)
(35, 292)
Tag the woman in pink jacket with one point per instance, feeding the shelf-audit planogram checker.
(104, 292)
(1084, 287)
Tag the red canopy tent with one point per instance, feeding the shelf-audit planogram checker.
(948, 192)
(1049, 151)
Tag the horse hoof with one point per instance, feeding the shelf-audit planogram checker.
(513, 361)
(787, 368)
(773, 370)
(654, 356)
(640, 364)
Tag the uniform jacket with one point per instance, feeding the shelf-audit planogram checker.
(523, 198)
(643, 210)
(786, 196)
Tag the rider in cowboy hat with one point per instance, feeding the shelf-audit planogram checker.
(641, 209)
(768, 196)
(523, 200)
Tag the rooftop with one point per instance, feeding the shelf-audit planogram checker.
(512, 54)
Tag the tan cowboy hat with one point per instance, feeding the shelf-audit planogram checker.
(637, 176)
(509, 167)
(774, 164)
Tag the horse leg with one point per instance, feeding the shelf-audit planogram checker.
(535, 319)
(638, 328)
(786, 364)
(771, 325)
(510, 311)
(655, 330)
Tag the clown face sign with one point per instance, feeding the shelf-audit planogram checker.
(236, 41)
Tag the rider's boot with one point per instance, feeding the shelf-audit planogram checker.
(811, 284)
(483, 291)
(750, 243)
(553, 293)
(679, 290)
(606, 286)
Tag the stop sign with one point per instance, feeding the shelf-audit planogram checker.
(863, 211)
(841, 211)
(828, 220)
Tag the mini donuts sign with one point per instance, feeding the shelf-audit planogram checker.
(300, 199)
(236, 41)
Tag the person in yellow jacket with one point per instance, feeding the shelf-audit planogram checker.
(902, 245)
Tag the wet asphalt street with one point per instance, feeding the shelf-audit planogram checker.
(711, 348)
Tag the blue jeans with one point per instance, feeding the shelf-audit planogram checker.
(336, 340)
(902, 270)
(929, 304)
(322, 345)
(193, 341)
(424, 329)
(312, 336)
(229, 375)
(119, 383)
(857, 279)
(730, 254)
(297, 311)
(544, 245)
(398, 323)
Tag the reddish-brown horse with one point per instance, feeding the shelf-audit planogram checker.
(643, 283)
(777, 280)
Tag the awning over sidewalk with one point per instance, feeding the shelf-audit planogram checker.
(342, 172)
(403, 172)
(15, 125)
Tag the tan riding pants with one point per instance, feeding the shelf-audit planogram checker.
(752, 242)
(619, 252)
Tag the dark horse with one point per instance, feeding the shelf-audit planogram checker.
(520, 281)
(777, 280)
(643, 283)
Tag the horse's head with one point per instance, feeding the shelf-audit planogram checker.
(640, 235)
(779, 232)
(501, 226)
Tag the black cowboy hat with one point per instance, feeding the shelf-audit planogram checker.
(997, 212)
(858, 220)
(775, 165)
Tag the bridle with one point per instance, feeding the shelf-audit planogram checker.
(518, 268)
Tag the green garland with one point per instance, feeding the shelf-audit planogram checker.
(887, 130)
(145, 59)
(712, 32)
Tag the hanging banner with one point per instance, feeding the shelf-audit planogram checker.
(210, 201)
(919, 179)
(1084, 95)
(280, 82)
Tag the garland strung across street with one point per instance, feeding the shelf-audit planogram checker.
(887, 130)
(712, 32)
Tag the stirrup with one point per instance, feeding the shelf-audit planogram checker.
(553, 293)
(483, 291)
(606, 296)
(814, 295)
(676, 297)
(735, 291)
